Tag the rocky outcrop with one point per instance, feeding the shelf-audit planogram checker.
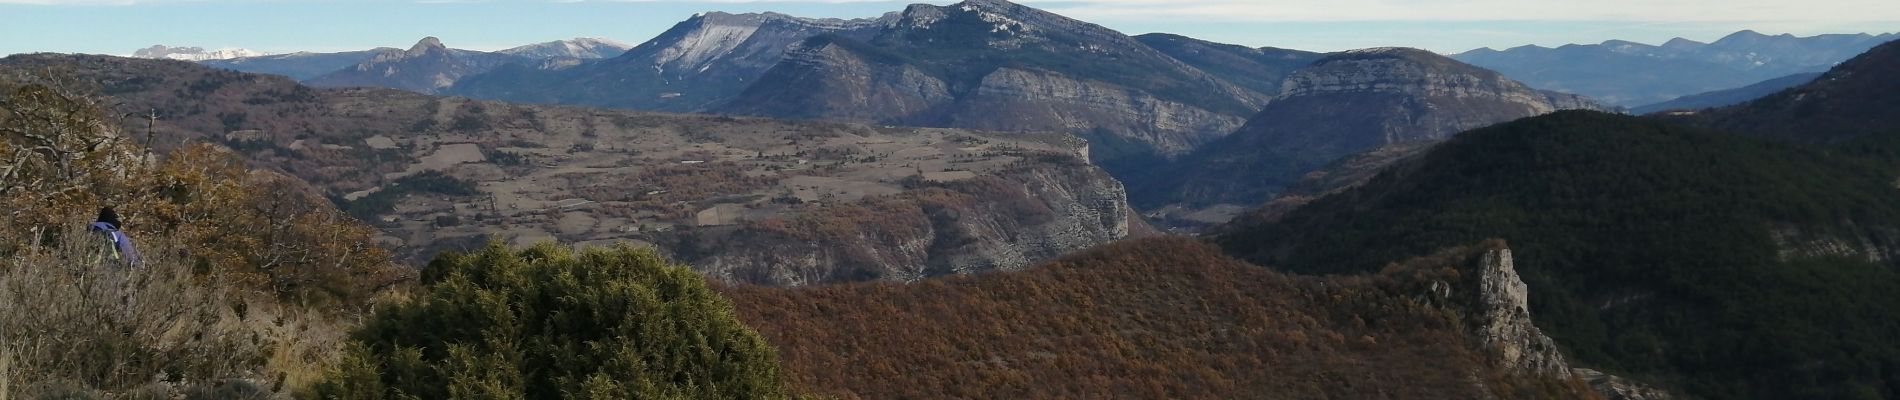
(1501, 320)
(1005, 222)
(1493, 302)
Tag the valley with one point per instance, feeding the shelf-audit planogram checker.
(983, 199)
(440, 174)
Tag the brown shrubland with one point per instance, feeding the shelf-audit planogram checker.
(248, 283)
(73, 321)
(1152, 318)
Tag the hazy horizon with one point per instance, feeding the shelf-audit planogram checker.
(119, 27)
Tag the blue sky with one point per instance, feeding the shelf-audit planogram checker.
(121, 26)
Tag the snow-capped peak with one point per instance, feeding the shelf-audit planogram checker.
(194, 53)
(586, 48)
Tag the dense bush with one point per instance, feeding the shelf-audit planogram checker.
(549, 323)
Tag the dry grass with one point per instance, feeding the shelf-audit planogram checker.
(71, 324)
(6, 364)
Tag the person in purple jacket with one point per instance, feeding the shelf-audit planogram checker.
(121, 249)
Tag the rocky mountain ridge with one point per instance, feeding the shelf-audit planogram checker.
(698, 63)
(427, 67)
(988, 65)
(1261, 70)
(1396, 97)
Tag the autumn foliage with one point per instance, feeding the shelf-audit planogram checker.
(1156, 318)
(60, 162)
(246, 281)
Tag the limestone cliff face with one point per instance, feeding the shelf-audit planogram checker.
(822, 78)
(989, 223)
(1478, 97)
(1341, 105)
(1261, 70)
(1025, 100)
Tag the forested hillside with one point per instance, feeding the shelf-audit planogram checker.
(1723, 265)
(1854, 100)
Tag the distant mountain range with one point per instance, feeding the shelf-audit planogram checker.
(583, 48)
(304, 66)
(299, 65)
(193, 53)
(704, 60)
(1634, 74)
(427, 67)
(981, 64)
(1728, 97)
(1855, 103)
